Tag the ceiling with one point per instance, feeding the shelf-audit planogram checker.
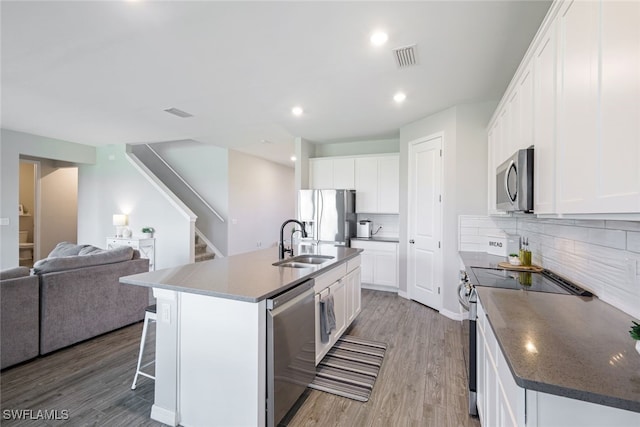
(103, 72)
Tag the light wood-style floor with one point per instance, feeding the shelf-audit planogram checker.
(422, 381)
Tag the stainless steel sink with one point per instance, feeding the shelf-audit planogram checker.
(303, 261)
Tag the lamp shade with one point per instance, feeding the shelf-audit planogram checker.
(119, 220)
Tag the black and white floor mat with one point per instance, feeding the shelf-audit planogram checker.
(350, 368)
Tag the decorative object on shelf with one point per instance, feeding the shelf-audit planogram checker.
(126, 233)
(635, 334)
(21, 210)
(119, 221)
(514, 259)
(148, 231)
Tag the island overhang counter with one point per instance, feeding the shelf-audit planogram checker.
(211, 333)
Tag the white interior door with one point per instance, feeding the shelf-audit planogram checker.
(425, 222)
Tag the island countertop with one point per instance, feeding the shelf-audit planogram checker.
(247, 277)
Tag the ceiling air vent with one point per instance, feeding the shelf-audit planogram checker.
(178, 113)
(405, 56)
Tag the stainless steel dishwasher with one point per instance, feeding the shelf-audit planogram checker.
(291, 349)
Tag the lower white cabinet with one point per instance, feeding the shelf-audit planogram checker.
(343, 283)
(501, 402)
(379, 263)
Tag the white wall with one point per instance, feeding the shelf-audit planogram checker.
(203, 166)
(12, 145)
(58, 205)
(113, 185)
(464, 176)
(357, 148)
(262, 195)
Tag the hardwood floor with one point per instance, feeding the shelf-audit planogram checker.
(422, 381)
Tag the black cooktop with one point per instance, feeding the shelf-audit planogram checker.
(545, 281)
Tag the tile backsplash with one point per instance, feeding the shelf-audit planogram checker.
(602, 256)
(388, 222)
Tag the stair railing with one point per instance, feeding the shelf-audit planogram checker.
(185, 182)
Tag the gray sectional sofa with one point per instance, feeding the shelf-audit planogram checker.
(19, 316)
(77, 295)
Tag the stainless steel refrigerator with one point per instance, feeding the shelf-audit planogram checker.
(328, 215)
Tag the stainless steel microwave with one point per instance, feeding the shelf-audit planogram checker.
(514, 182)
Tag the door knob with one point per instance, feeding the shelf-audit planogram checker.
(412, 241)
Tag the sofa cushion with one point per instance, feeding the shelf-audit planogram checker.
(14, 273)
(92, 257)
(69, 249)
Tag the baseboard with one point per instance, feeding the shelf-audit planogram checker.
(452, 315)
(164, 416)
(380, 288)
(403, 294)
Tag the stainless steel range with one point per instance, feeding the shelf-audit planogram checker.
(545, 281)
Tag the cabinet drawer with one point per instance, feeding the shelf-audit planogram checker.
(326, 279)
(352, 264)
(374, 246)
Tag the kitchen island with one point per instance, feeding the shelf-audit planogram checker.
(211, 332)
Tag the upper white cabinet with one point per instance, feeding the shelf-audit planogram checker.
(576, 97)
(377, 184)
(544, 124)
(332, 173)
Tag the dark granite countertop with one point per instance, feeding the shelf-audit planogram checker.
(576, 347)
(247, 277)
(566, 345)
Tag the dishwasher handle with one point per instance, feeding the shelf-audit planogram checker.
(290, 297)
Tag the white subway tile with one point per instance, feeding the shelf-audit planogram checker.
(623, 225)
(610, 238)
(633, 241)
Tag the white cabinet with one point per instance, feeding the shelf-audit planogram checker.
(577, 144)
(544, 112)
(146, 247)
(332, 173)
(378, 184)
(379, 263)
(598, 165)
(500, 401)
(343, 283)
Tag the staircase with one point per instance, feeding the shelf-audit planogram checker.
(201, 252)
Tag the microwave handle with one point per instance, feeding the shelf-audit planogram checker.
(506, 181)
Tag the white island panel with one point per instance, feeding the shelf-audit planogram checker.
(222, 361)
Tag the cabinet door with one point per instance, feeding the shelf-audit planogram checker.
(367, 184)
(385, 268)
(338, 290)
(321, 173)
(352, 281)
(513, 123)
(321, 347)
(388, 184)
(544, 113)
(577, 144)
(618, 183)
(344, 173)
(491, 171)
(526, 109)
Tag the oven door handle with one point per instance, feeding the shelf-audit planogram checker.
(463, 303)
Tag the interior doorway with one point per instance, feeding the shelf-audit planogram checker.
(425, 222)
(48, 191)
(28, 199)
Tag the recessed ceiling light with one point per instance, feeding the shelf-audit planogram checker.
(399, 97)
(293, 158)
(297, 111)
(379, 38)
